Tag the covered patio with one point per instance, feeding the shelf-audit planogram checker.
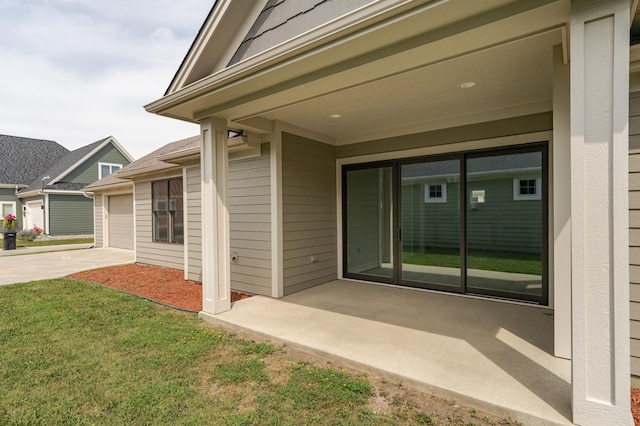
(492, 355)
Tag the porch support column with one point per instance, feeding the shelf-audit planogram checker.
(216, 290)
(561, 190)
(599, 74)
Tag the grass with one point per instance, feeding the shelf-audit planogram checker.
(53, 242)
(524, 263)
(78, 353)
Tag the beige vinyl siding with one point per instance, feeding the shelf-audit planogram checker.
(309, 213)
(250, 223)
(634, 234)
(194, 224)
(98, 220)
(491, 129)
(148, 251)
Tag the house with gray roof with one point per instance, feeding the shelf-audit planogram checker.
(42, 183)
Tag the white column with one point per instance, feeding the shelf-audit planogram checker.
(599, 72)
(216, 291)
(561, 189)
(277, 263)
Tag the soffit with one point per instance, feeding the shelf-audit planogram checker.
(405, 72)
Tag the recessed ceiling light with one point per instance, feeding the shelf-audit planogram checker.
(335, 116)
(468, 84)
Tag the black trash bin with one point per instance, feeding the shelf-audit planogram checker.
(9, 241)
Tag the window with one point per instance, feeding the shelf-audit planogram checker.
(7, 207)
(435, 193)
(168, 212)
(527, 188)
(105, 169)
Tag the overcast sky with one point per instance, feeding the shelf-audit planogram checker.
(76, 71)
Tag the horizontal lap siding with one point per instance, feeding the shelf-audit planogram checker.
(87, 172)
(194, 224)
(634, 234)
(98, 219)
(148, 251)
(250, 223)
(9, 195)
(309, 213)
(70, 215)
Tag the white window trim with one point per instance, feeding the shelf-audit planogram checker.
(13, 208)
(110, 166)
(516, 189)
(427, 193)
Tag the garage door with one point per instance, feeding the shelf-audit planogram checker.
(121, 221)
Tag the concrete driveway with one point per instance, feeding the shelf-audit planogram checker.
(23, 265)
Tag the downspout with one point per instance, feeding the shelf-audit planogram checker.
(88, 194)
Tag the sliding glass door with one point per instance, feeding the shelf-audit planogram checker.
(369, 230)
(430, 223)
(471, 222)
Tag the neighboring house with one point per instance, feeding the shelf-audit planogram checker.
(22, 160)
(337, 101)
(45, 182)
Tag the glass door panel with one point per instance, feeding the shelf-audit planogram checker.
(430, 223)
(506, 225)
(369, 223)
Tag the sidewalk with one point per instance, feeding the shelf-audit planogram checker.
(39, 263)
(30, 250)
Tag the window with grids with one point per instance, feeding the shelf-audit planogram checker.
(435, 193)
(168, 211)
(528, 188)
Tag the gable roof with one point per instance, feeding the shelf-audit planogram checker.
(236, 30)
(24, 159)
(65, 165)
(149, 163)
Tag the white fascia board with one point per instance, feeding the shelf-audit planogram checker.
(112, 187)
(12, 185)
(225, 13)
(158, 168)
(107, 141)
(304, 42)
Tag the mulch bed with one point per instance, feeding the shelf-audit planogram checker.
(162, 285)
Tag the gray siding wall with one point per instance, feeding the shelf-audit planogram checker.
(194, 224)
(70, 215)
(250, 223)
(309, 213)
(492, 129)
(634, 234)
(9, 194)
(98, 220)
(87, 172)
(148, 251)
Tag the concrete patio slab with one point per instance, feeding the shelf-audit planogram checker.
(34, 265)
(491, 355)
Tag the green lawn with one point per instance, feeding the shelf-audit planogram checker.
(53, 242)
(524, 263)
(78, 353)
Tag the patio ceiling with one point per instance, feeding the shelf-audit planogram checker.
(510, 80)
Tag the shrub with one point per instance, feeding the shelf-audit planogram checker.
(37, 230)
(29, 235)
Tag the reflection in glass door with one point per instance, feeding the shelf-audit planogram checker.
(472, 222)
(369, 223)
(506, 223)
(430, 223)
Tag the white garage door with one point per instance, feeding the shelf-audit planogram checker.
(121, 221)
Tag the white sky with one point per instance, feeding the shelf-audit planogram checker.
(77, 71)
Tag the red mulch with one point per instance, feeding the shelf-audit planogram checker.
(635, 405)
(163, 285)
